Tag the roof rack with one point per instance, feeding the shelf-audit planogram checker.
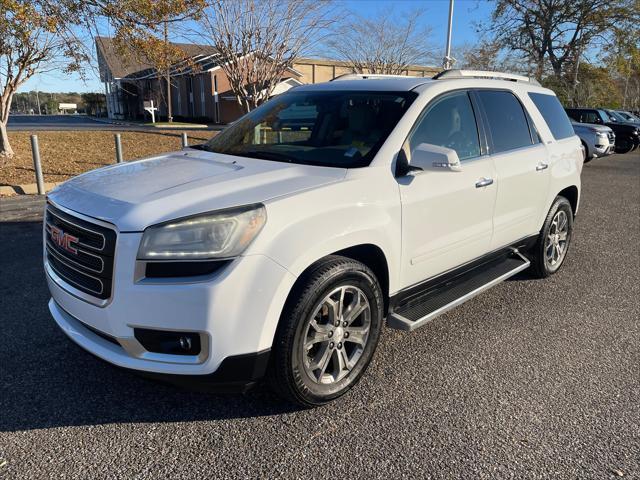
(365, 76)
(448, 74)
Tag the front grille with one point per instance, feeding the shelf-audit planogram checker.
(80, 252)
(612, 137)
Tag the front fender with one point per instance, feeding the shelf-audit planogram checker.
(310, 225)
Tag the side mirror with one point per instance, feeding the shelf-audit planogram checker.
(433, 157)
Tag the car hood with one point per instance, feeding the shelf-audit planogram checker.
(138, 194)
(623, 126)
(590, 127)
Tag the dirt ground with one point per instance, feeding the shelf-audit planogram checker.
(65, 154)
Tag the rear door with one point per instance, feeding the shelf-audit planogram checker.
(521, 163)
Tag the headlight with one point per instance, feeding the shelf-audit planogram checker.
(221, 234)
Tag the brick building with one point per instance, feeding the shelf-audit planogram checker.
(200, 92)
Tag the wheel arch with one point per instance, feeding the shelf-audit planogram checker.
(571, 193)
(373, 257)
(369, 254)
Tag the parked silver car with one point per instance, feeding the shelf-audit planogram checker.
(597, 140)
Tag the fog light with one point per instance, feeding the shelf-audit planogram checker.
(185, 343)
(172, 343)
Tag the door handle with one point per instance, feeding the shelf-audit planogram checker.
(541, 166)
(484, 182)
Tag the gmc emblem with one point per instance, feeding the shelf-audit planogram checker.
(64, 240)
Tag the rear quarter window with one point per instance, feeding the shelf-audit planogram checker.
(553, 113)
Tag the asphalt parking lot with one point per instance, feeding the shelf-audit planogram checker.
(73, 122)
(533, 379)
(57, 122)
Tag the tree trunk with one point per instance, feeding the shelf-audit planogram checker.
(5, 147)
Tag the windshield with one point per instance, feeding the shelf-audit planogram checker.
(335, 129)
(629, 116)
(615, 116)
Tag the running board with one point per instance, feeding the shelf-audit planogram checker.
(441, 298)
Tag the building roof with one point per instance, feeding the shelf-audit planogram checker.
(431, 70)
(114, 66)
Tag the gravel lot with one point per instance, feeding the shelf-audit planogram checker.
(533, 379)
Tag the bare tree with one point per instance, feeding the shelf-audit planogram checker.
(384, 44)
(29, 44)
(557, 31)
(258, 41)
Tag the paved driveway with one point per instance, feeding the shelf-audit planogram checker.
(533, 379)
(72, 122)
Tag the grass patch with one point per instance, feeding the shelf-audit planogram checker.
(66, 154)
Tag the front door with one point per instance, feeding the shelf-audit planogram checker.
(446, 215)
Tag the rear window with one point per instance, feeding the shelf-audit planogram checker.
(553, 114)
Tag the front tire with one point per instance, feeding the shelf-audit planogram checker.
(328, 332)
(550, 250)
(586, 156)
(624, 145)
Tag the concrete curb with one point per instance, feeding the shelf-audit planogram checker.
(27, 189)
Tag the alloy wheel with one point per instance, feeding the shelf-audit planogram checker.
(336, 335)
(557, 239)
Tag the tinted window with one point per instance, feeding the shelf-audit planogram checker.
(334, 128)
(507, 123)
(588, 116)
(553, 113)
(449, 122)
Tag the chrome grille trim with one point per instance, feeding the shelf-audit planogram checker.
(66, 279)
(104, 241)
(84, 268)
(80, 250)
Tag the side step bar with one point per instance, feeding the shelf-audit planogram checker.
(441, 298)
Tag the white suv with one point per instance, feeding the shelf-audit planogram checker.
(279, 247)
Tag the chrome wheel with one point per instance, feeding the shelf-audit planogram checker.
(336, 335)
(556, 243)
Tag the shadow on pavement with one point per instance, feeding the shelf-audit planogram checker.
(47, 381)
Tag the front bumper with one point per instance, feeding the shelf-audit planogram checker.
(236, 311)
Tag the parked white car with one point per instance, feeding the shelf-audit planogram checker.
(597, 140)
(279, 248)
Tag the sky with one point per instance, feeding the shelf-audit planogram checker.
(466, 14)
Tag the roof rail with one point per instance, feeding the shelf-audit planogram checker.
(447, 74)
(365, 76)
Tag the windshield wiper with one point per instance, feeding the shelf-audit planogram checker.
(262, 155)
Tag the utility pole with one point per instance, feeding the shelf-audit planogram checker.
(168, 73)
(38, 100)
(448, 61)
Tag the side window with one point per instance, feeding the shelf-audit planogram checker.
(508, 125)
(449, 122)
(552, 112)
(590, 116)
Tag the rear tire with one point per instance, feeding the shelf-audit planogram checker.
(550, 250)
(328, 332)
